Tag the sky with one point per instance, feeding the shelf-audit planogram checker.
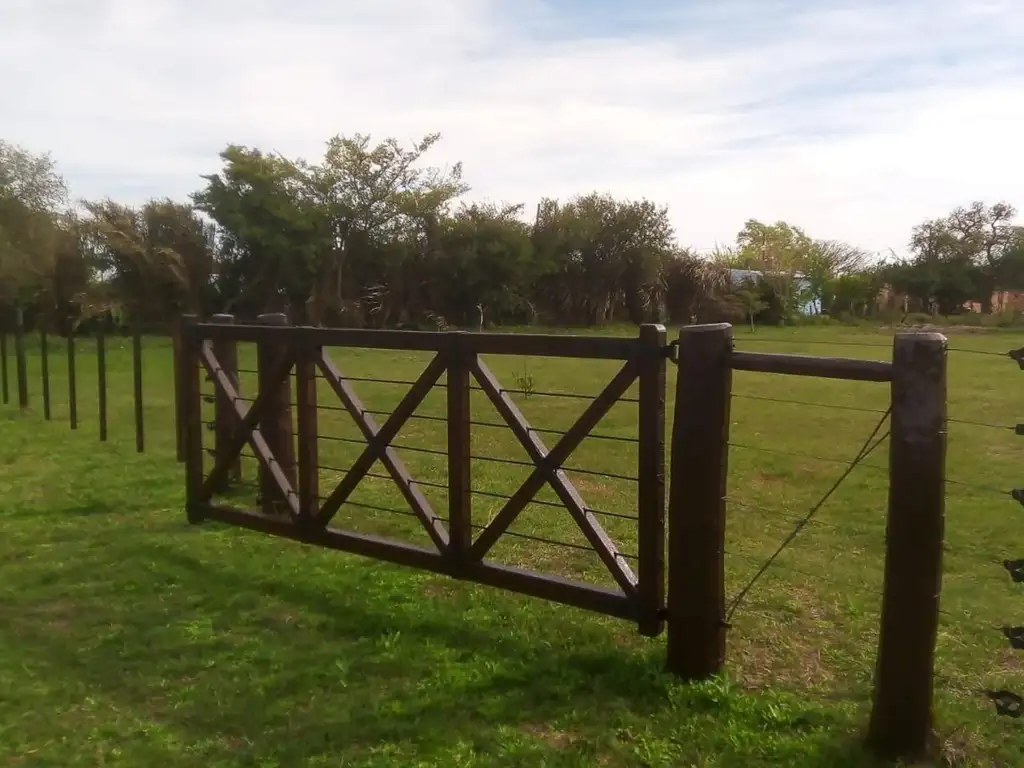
(854, 119)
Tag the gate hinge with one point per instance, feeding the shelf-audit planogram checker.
(671, 351)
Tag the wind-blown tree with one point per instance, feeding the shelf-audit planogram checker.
(696, 289)
(606, 258)
(157, 259)
(269, 231)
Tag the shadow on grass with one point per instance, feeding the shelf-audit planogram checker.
(294, 672)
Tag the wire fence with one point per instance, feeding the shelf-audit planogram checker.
(981, 637)
(806, 499)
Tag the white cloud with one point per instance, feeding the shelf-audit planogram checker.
(854, 120)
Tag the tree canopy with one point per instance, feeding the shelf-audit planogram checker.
(371, 234)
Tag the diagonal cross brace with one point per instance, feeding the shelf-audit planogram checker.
(548, 469)
(391, 461)
(378, 443)
(246, 430)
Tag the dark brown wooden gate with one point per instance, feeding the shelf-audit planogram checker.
(292, 505)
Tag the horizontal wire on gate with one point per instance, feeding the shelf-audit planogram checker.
(475, 423)
(553, 542)
(813, 405)
(549, 393)
(870, 444)
(512, 534)
(555, 504)
(487, 494)
(371, 380)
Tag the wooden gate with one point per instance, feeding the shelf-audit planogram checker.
(293, 507)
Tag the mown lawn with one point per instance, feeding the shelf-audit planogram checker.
(128, 637)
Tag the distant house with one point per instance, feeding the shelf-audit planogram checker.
(740, 276)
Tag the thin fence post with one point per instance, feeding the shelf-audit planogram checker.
(308, 432)
(44, 360)
(651, 475)
(5, 383)
(276, 422)
(460, 499)
(190, 415)
(72, 382)
(137, 388)
(696, 512)
(224, 418)
(178, 364)
(20, 358)
(902, 717)
(101, 379)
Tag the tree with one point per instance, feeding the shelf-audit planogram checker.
(978, 236)
(606, 258)
(749, 296)
(32, 197)
(377, 203)
(158, 258)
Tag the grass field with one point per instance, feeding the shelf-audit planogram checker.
(129, 638)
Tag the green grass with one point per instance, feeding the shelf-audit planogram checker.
(129, 638)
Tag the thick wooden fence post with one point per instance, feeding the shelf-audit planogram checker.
(101, 379)
(190, 414)
(224, 415)
(137, 389)
(5, 384)
(901, 717)
(73, 382)
(651, 485)
(460, 465)
(696, 513)
(178, 363)
(20, 359)
(44, 360)
(276, 422)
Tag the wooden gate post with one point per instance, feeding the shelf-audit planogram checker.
(902, 717)
(696, 510)
(190, 414)
(224, 415)
(44, 371)
(460, 464)
(177, 361)
(5, 385)
(20, 359)
(276, 422)
(650, 500)
(73, 382)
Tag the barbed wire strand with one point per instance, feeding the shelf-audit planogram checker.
(834, 406)
(869, 445)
